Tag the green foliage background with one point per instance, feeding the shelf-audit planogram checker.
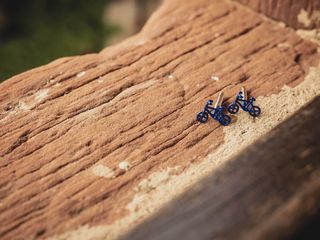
(38, 31)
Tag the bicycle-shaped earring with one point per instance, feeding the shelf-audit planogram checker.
(215, 112)
(246, 105)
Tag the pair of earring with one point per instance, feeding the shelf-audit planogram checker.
(217, 111)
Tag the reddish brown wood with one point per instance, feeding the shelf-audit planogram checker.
(294, 13)
(269, 191)
(133, 102)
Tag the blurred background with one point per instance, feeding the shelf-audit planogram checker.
(35, 32)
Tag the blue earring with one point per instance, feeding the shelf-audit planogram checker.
(246, 105)
(215, 112)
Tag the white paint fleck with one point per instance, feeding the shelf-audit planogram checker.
(31, 101)
(170, 76)
(24, 106)
(7, 117)
(136, 202)
(304, 18)
(124, 166)
(284, 45)
(215, 78)
(100, 80)
(311, 35)
(92, 113)
(57, 85)
(102, 171)
(156, 179)
(84, 232)
(80, 74)
(41, 94)
(141, 41)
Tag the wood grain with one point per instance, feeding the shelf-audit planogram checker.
(304, 14)
(269, 191)
(133, 102)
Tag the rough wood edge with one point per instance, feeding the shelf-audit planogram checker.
(269, 191)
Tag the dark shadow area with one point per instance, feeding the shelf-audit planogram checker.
(310, 231)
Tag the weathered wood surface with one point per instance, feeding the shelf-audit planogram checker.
(295, 13)
(66, 126)
(269, 191)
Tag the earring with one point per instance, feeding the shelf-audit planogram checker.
(246, 105)
(215, 112)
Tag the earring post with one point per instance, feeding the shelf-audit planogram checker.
(244, 93)
(219, 100)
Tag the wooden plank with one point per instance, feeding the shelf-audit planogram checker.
(81, 136)
(304, 14)
(269, 191)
